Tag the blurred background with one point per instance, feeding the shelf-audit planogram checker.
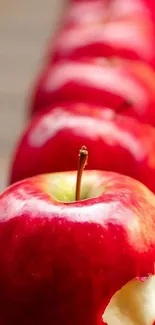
(25, 27)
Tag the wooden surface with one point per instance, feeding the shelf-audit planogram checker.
(25, 26)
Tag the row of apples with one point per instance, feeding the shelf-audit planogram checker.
(97, 88)
(84, 254)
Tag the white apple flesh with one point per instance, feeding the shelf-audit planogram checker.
(134, 304)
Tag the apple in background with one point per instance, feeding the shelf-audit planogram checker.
(116, 143)
(150, 5)
(77, 12)
(62, 260)
(101, 82)
(97, 26)
(81, 12)
(128, 38)
(107, 28)
(86, 11)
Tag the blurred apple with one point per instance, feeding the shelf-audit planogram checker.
(101, 82)
(127, 38)
(93, 11)
(116, 143)
(109, 27)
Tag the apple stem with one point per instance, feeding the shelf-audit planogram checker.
(83, 158)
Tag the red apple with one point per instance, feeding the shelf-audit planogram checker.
(61, 261)
(92, 11)
(115, 143)
(77, 13)
(101, 82)
(150, 5)
(81, 12)
(128, 38)
(106, 27)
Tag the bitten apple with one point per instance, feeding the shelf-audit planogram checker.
(101, 82)
(61, 260)
(115, 143)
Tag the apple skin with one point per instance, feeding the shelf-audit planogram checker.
(86, 11)
(128, 38)
(62, 262)
(116, 143)
(93, 27)
(81, 12)
(101, 82)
